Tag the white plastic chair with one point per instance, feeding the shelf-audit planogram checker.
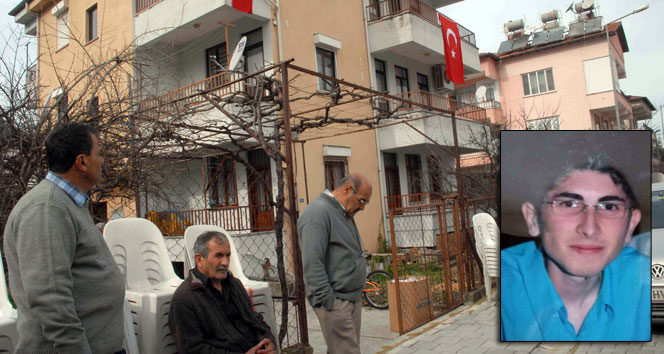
(486, 243)
(259, 292)
(130, 344)
(138, 248)
(8, 315)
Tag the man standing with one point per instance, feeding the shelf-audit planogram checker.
(333, 262)
(579, 282)
(211, 311)
(68, 290)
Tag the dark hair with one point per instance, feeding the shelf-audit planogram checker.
(65, 143)
(598, 164)
(201, 244)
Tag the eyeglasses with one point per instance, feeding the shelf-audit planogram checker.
(361, 200)
(608, 210)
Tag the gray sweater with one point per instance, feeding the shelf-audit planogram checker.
(331, 253)
(67, 288)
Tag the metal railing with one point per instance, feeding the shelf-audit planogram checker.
(144, 4)
(461, 109)
(190, 95)
(234, 218)
(387, 8)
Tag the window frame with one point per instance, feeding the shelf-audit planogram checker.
(414, 173)
(321, 65)
(330, 163)
(226, 177)
(215, 49)
(401, 79)
(92, 23)
(420, 84)
(62, 32)
(381, 75)
(535, 80)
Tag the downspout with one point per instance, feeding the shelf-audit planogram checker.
(381, 167)
(278, 24)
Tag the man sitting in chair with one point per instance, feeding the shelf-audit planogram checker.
(211, 311)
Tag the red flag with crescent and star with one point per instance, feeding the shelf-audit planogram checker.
(453, 59)
(243, 5)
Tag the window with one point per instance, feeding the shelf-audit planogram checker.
(214, 57)
(401, 76)
(550, 123)
(253, 52)
(326, 66)
(335, 170)
(414, 173)
(538, 82)
(221, 186)
(422, 82)
(381, 75)
(62, 29)
(91, 22)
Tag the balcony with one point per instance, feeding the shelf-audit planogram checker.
(234, 218)
(224, 85)
(461, 110)
(410, 28)
(437, 126)
(178, 22)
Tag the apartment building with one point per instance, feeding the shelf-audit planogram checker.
(557, 76)
(392, 46)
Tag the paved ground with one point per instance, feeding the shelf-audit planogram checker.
(471, 329)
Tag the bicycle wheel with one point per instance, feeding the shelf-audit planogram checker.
(375, 290)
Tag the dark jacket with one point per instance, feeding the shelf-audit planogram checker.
(198, 322)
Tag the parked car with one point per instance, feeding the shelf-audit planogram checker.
(657, 269)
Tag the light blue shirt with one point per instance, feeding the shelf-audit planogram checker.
(531, 309)
(77, 196)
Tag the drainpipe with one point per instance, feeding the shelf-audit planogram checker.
(381, 166)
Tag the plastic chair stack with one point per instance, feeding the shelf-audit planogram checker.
(259, 292)
(138, 248)
(486, 243)
(8, 331)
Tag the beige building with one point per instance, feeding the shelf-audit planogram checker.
(394, 47)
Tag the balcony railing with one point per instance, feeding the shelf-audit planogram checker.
(243, 218)
(144, 4)
(191, 95)
(488, 104)
(387, 8)
(462, 110)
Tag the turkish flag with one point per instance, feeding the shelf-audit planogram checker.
(453, 59)
(243, 5)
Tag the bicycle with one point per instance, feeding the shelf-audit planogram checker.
(375, 289)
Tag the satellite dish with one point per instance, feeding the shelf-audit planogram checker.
(480, 93)
(237, 54)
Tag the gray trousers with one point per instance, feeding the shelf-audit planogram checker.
(341, 326)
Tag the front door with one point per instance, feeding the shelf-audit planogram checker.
(260, 196)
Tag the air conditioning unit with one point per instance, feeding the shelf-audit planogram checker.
(381, 105)
(440, 81)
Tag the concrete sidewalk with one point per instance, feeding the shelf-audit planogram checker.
(469, 329)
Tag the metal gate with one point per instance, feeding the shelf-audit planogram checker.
(433, 261)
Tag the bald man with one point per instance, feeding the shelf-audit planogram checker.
(334, 263)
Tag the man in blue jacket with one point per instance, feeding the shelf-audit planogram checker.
(579, 282)
(333, 262)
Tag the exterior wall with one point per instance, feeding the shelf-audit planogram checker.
(168, 15)
(300, 21)
(114, 34)
(414, 67)
(569, 101)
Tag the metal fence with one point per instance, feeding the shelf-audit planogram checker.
(433, 259)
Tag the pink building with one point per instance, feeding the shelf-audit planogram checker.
(561, 78)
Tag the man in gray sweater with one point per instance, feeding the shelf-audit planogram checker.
(67, 288)
(333, 261)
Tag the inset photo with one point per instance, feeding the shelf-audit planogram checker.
(575, 236)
